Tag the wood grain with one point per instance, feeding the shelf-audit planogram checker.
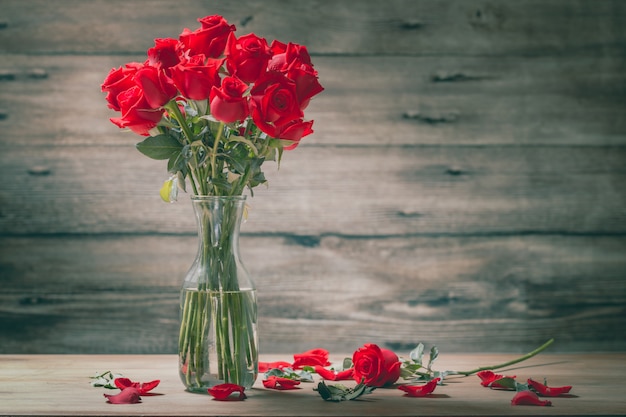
(464, 186)
(71, 394)
(366, 27)
(382, 191)
(558, 100)
(91, 294)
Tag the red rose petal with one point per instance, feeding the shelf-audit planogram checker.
(128, 395)
(142, 387)
(546, 391)
(267, 366)
(280, 383)
(419, 390)
(528, 398)
(222, 392)
(311, 358)
(490, 379)
(330, 375)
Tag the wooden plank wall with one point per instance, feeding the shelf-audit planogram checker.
(464, 186)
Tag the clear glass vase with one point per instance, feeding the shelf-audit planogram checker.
(218, 331)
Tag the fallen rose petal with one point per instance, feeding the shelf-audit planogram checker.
(142, 387)
(311, 358)
(331, 375)
(222, 392)
(419, 390)
(280, 383)
(490, 379)
(528, 398)
(128, 395)
(546, 391)
(267, 366)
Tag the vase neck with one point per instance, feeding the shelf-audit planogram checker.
(218, 219)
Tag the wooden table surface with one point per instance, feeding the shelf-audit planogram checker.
(60, 385)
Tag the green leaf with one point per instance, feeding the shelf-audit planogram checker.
(339, 392)
(159, 147)
(434, 353)
(417, 354)
(506, 382)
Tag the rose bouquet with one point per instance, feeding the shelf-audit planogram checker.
(216, 107)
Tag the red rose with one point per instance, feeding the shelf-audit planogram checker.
(274, 103)
(136, 112)
(227, 102)
(165, 53)
(157, 88)
(285, 56)
(294, 61)
(119, 80)
(195, 78)
(374, 366)
(210, 39)
(247, 57)
(294, 131)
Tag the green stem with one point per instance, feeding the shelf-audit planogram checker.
(172, 107)
(218, 137)
(502, 365)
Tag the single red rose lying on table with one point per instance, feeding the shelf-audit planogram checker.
(375, 367)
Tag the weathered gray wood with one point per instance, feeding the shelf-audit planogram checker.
(464, 186)
(505, 100)
(363, 191)
(112, 294)
(398, 27)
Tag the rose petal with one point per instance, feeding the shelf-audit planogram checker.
(222, 392)
(280, 383)
(142, 387)
(546, 391)
(331, 375)
(311, 358)
(267, 366)
(490, 379)
(419, 390)
(528, 398)
(128, 395)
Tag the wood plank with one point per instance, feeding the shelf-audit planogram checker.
(398, 27)
(599, 393)
(396, 101)
(112, 294)
(319, 191)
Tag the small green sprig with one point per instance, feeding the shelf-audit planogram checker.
(414, 369)
(105, 380)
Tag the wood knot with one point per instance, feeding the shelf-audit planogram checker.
(39, 171)
(454, 171)
(37, 73)
(411, 24)
(444, 76)
(245, 20)
(432, 117)
(7, 75)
